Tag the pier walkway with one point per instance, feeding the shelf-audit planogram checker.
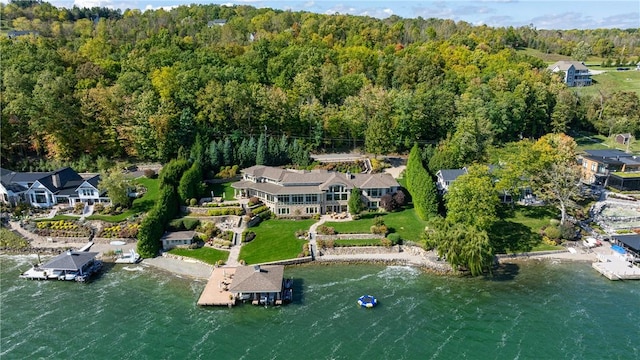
(216, 292)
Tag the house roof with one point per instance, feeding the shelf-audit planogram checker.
(608, 153)
(565, 65)
(71, 260)
(310, 182)
(179, 235)
(451, 174)
(630, 241)
(254, 279)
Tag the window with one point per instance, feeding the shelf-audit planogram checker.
(283, 211)
(375, 192)
(312, 210)
(593, 166)
(311, 199)
(284, 199)
(86, 192)
(329, 197)
(297, 199)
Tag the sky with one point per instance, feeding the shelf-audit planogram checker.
(542, 14)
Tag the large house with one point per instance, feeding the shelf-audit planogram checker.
(575, 72)
(614, 168)
(46, 189)
(446, 177)
(306, 193)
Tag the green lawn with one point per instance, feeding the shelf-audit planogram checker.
(600, 142)
(206, 254)
(406, 223)
(221, 188)
(519, 229)
(140, 205)
(612, 80)
(275, 240)
(11, 240)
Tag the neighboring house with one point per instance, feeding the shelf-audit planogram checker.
(263, 283)
(446, 177)
(611, 168)
(177, 238)
(306, 193)
(46, 189)
(575, 72)
(17, 33)
(630, 243)
(217, 22)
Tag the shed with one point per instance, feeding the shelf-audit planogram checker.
(176, 238)
(623, 139)
(71, 261)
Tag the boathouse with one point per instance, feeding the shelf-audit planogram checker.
(71, 265)
(631, 243)
(262, 284)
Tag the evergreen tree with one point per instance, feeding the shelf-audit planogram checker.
(227, 153)
(355, 201)
(191, 183)
(274, 157)
(214, 156)
(421, 186)
(261, 150)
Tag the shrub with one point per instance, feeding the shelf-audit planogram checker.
(301, 233)
(190, 224)
(247, 236)
(387, 202)
(326, 230)
(379, 230)
(400, 198)
(253, 201)
(554, 222)
(98, 208)
(553, 232)
(78, 207)
(394, 238)
(224, 211)
(150, 174)
(386, 242)
(193, 202)
(320, 243)
(176, 225)
(330, 244)
(378, 221)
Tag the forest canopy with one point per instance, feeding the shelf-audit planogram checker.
(142, 85)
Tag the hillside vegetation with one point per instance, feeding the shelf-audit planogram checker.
(147, 85)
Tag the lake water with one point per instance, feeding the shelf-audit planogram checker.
(534, 310)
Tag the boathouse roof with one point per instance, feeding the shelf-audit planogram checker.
(71, 261)
(630, 241)
(255, 279)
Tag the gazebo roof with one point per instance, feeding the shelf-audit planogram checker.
(255, 279)
(70, 261)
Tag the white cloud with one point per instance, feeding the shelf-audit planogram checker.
(93, 3)
(165, 8)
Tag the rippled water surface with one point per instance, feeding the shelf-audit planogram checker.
(529, 311)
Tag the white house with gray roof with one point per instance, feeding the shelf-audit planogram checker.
(46, 189)
(308, 192)
(575, 72)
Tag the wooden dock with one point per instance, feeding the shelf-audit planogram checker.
(216, 292)
(615, 268)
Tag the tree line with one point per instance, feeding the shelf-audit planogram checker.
(141, 85)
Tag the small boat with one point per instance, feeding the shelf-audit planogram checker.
(288, 295)
(367, 301)
(131, 257)
(288, 283)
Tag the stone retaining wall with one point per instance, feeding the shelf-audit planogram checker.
(103, 240)
(356, 250)
(295, 261)
(529, 254)
(349, 237)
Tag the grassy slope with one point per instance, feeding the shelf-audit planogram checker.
(519, 229)
(206, 254)
(275, 240)
(601, 142)
(219, 189)
(406, 223)
(140, 205)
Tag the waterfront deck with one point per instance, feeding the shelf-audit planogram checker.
(216, 292)
(615, 268)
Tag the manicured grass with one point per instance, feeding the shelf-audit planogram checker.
(360, 242)
(406, 223)
(140, 205)
(206, 254)
(600, 142)
(221, 188)
(275, 240)
(519, 229)
(612, 80)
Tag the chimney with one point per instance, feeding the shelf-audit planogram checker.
(56, 180)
